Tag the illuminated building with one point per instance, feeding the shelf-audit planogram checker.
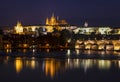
(96, 30)
(86, 24)
(19, 28)
(50, 24)
(55, 21)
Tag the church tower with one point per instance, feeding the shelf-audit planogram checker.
(53, 20)
(19, 28)
(86, 24)
(47, 21)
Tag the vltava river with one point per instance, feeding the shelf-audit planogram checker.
(60, 66)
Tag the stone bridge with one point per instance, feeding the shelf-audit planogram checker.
(98, 44)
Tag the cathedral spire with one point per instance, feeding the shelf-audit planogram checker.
(53, 14)
(19, 23)
(47, 21)
(19, 28)
(86, 24)
(57, 18)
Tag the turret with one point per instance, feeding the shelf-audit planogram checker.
(19, 28)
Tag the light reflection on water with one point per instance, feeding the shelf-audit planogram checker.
(68, 52)
(18, 65)
(51, 66)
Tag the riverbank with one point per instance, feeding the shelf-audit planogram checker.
(61, 54)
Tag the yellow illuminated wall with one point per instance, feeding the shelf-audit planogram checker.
(54, 21)
(19, 28)
(51, 23)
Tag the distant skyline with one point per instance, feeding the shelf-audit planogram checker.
(75, 12)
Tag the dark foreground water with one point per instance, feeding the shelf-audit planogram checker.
(74, 66)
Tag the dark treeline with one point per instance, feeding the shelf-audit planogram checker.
(55, 40)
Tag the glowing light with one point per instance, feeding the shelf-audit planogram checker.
(86, 24)
(77, 51)
(109, 47)
(19, 28)
(116, 47)
(77, 46)
(8, 50)
(89, 42)
(6, 60)
(25, 45)
(94, 47)
(33, 64)
(33, 50)
(24, 50)
(51, 67)
(116, 53)
(87, 64)
(76, 63)
(102, 53)
(119, 64)
(48, 50)
(68, 60)
(54, 21)
(88, 46)
(104, 64)
(68, 52)
(47, 46)
(101, 47)
(69, 40)
(18, 65)
(7, 46)
(79, 42)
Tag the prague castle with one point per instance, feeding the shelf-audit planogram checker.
(19, 28)
(49, 26)
(55, 21)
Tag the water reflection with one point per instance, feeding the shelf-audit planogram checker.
(77, 51)
(68, 52)
(48, 50)
(24, 50)
(104, 64)
(119, 64)
(51, 66)
(101, 52)
(21, 63)
(18, 65)
(8, 50)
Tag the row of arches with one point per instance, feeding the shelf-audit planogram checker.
(98, 45)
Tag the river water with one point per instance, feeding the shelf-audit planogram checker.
(59, 66)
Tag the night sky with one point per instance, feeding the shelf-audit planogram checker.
(75, 12)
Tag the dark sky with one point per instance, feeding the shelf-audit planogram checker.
(76, 12)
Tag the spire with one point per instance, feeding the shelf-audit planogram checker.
(57, 18)
(86, 24)
(47, 21)
(19, 28)
(53, 15)
(19, 23)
